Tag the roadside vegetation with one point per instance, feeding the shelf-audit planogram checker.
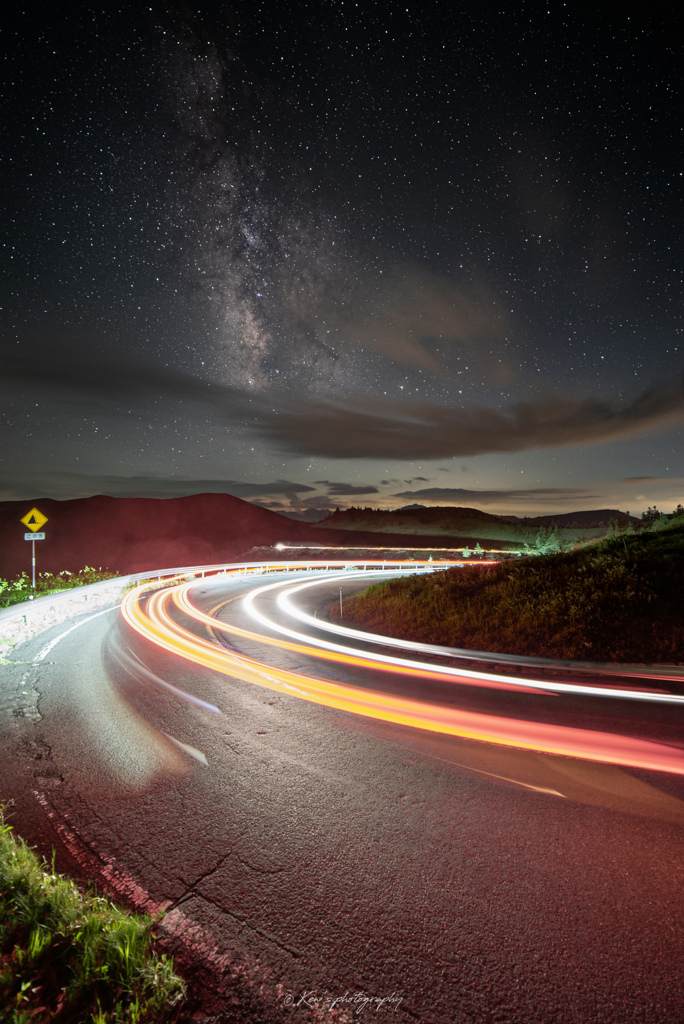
(69, 956)
(619, 599)
(19, 589)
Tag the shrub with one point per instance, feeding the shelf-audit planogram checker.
(19, 589)
(618, 600)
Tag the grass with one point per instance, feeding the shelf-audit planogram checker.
(19, 589)
(617, 600)
(69, 956)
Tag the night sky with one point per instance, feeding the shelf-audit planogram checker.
(320, 254)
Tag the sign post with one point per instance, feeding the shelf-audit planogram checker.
(33, 520)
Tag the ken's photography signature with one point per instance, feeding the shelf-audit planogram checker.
(355, 1001)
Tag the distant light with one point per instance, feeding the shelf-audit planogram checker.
(280, 547)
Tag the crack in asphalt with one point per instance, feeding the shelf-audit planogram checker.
(192, 892)
(261, 871)
(198, 881)
(244, 923)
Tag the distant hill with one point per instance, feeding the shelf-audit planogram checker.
(588, 520)
(135, 534)
(470, 523)
(312, 515)
(440, 520)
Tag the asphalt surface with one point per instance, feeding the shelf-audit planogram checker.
(321, 863)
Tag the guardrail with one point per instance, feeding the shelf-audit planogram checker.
(21, 622)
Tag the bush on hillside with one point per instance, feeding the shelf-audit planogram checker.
(619, 600)
(19, 589)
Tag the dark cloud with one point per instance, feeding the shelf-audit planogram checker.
(461, 496)
(77, 365)
(99, 377)
(247, 490)
(345, 490)
(651, 479)
(80, 485)
(389, 429)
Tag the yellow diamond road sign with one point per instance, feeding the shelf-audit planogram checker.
(34, 519)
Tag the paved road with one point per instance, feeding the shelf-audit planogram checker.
(319, 859)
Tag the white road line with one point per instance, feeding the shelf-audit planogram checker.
(53, 643)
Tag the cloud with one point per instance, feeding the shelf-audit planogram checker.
(66, 365)
(81, 485)
(393, 430)
(344, 490)
(101, 379)
(450, 495)
(410, 315)
(247, 490)
(651, 480)
(317, 501)
(425, 320)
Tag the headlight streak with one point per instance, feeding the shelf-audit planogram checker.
(337, 653)
(134, 666)
(529, 685)
(672, 672)
(155, 622)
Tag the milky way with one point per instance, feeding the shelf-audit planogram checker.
(259, 248)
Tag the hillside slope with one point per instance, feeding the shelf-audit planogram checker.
(620, 600)
(457, 521)
(134, 534)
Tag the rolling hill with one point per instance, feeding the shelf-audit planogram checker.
(135, 534)
(472, 523)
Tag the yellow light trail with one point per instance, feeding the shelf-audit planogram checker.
(155, 622)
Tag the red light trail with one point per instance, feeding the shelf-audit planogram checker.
(149, 611)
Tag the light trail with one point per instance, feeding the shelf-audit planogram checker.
(672, 672)
(337, 653)
(420, 669)
(149, 613)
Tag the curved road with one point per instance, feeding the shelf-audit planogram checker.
(316, 861)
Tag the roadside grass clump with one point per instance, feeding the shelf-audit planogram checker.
(617, 600)
(19, 589)
(70, 956)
